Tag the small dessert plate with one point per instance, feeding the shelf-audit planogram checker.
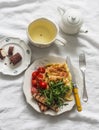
(19, 47)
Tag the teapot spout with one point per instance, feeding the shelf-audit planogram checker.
(61, 11)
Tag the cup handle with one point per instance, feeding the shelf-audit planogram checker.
(60, 41)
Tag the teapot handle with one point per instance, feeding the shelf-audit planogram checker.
(61, 10)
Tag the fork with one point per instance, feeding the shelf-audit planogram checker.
(82, 65)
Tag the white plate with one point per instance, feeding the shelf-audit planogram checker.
(19, 46)
(27, 84)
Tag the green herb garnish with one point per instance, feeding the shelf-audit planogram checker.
(56, 93)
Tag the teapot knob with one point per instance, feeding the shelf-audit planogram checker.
(73, 18)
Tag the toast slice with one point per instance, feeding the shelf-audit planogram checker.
(42, 100)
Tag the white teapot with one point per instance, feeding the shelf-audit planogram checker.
(71, 21)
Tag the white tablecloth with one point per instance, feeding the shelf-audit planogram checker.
(15, 113)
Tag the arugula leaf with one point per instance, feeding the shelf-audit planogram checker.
(56, 93)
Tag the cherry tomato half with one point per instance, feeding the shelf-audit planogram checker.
(39, 77)
(33, 90)
(34, 82)
(43, 84)
(34, 74)
(41, 69)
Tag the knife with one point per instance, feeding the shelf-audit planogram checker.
(75, 88)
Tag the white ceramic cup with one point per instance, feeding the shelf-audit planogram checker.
(42, 32)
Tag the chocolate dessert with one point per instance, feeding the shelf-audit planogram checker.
(2, 54)
(16, 58)
(10, 50)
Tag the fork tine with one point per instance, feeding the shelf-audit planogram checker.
(82, 59)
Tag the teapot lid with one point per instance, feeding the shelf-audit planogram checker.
(72, 16)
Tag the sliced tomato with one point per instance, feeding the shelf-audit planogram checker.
(34, 74)
(43, 84)
(41, 69)
(33, 90)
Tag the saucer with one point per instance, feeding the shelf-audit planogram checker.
(19, 46)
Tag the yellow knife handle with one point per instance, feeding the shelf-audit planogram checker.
(77, 99)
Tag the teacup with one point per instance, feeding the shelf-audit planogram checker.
(42, 32)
